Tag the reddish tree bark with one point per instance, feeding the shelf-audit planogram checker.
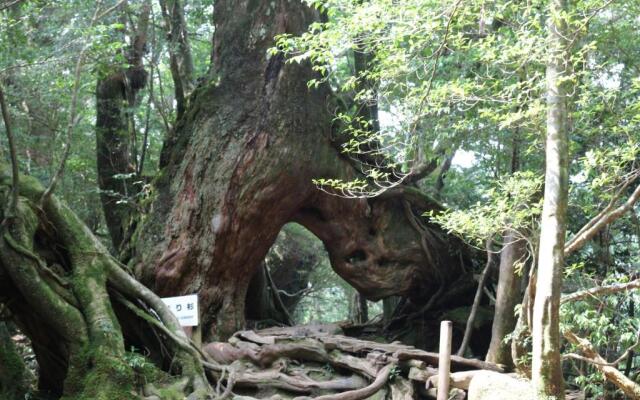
(240, 165)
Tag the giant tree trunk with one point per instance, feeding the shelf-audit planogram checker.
(546, 361)
(240, 165)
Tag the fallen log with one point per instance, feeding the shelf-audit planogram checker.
(403, 352)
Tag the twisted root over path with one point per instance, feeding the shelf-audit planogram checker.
(311, 363)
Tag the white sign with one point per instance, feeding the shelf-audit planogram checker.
(185, 308)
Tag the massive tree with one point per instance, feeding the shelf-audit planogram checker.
(240, 164)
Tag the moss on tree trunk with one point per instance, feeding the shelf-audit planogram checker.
(14, 375)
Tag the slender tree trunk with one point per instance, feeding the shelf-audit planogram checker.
(363, 309)
(264, 305)
(632, 354)
(291, 261)
(444, 169)
(389, 305)
(180, 60)
(546, 364)
(508, 293)
(507, 297)
(478, 297)
(367, 109)
(358, 309)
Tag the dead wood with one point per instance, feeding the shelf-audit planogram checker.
(397, 351)
(478, 297)
(298, 384)
(600, 291)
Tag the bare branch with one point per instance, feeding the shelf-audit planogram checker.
(620, 359)
(629, 387)
(476, 301)
(600, 290)
(601, 220)
(110, 9)
(609, 206)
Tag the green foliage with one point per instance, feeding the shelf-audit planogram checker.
(39, 47)
(468, 78)
(608, 324)
(394, 373)
(514, 204)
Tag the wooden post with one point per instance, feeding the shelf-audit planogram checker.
(444, 360)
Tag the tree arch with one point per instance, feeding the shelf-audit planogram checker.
(240, 164)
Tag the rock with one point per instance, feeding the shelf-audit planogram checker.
(495, 386)
(454, 394)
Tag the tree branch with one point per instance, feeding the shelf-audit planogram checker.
(613, 363)
(600, 290)
(599, 222)
(476, 301)
(629, 387)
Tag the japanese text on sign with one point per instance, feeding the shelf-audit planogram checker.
(185, 308)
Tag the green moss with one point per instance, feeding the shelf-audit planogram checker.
(13, 372)
(104, 377)
(171, 394)
(107, 377)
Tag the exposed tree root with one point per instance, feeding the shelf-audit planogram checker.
(322, 365)
(66, 285)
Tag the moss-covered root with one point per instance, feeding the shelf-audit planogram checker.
(78, 306)
(14, 376)
(108, 378)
